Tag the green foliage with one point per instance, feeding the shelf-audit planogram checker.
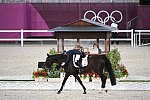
(53, 51)
(114, 57)
(53, 72)
(119, 69)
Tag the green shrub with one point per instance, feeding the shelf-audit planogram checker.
(53, 51)
(53, 72)
(114, 57)
(119, 69)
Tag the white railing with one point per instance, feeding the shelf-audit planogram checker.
(22, 37)
(137, 37)
(125, 39)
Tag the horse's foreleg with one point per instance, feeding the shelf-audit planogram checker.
(79, 80)
(103, 79)
(63, 83)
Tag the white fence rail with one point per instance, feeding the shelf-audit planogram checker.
(131, 39)
(22, 39)
(134, 38)
(137, 36)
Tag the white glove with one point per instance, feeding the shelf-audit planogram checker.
(63, 63)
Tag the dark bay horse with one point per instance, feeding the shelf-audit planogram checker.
(96, 63)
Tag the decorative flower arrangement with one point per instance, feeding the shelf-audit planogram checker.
(89, 75)
(40, 72)
(121, 71)
(53, 72)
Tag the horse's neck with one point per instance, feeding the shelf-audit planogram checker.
(62, 57)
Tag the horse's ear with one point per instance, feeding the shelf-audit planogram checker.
(48, 55)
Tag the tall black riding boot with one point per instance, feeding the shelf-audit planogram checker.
(80, 65)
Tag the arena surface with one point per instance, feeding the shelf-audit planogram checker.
(73, 95)
(19, 62)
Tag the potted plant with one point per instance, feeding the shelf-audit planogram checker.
(40, 74)
(53, 74)
(120, 70)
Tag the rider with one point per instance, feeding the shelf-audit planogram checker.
(77, 51)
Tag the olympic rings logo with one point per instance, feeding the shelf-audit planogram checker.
(107, 18)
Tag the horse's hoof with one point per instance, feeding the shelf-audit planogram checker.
(103, 91)
(58, 92)
(84, 92)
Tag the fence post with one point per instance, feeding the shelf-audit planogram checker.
(135, 39)
(21, 37)
(139, 38)
(132, 38)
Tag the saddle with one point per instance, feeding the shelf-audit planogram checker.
(84, 60)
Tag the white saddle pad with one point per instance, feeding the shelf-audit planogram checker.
(77, 57)
(85, 61)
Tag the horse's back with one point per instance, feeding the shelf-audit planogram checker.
(96, 58)
(96, 63)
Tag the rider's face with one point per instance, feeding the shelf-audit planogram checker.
(94, 46)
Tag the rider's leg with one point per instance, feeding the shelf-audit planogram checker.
(78, 63)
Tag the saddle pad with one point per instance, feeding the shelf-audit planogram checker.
(84, 60)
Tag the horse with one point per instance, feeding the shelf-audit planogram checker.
(96, 63)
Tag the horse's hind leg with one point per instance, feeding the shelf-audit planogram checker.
(103, 79)
(79, 80)
(63, 83)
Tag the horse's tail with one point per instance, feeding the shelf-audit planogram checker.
(110, 71)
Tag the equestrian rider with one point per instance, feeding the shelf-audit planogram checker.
(77, 51)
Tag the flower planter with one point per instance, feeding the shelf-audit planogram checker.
(85, 79)
(121, 78)
(40, 79)
(96, 80)
(90, 80)
(54, 80)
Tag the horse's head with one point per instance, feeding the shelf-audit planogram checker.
(48, 61)
(58, 58)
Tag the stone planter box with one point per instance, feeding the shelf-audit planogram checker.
(54, 80)
(96, 80)
(93, 80)
(122, 78)
(40, 79)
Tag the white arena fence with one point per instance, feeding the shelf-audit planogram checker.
(137, 37)
(22, 39)
(133, 37)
